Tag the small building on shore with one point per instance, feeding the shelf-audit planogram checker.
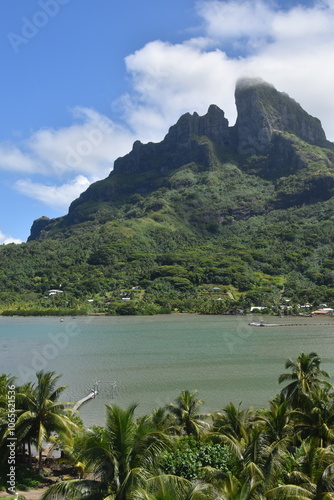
(54, 292)
(325, 310)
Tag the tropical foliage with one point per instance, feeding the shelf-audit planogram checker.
(207, 240)
(39, 415)
(285, 451)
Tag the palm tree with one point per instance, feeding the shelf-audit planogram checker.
(119, 456)
(276, 436)
(246, 485)
(313, 477)
(241, 430)
(161, 420)
(168, 487)
(185, 414)
(317, 419)
(277, 421)
(232, 421)
(6, 382)
(41, 414)
(240, 489)
(306, 375)
(257, 439)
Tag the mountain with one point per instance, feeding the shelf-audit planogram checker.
(247, 207)
(273, 139)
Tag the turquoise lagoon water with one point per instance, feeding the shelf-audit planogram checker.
(153, 358)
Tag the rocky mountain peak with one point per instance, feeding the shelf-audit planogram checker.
(213, 125)
(273, 138)
(179, 145)
(262, 110)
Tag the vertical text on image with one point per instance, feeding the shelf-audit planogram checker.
(11, 440)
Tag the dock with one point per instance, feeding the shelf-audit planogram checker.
(253, 323)
(93, 393)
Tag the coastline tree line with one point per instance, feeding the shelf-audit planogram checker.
(162, 262)
(283, 451)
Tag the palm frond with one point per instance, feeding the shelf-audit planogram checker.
(289, 492)
(78, 489)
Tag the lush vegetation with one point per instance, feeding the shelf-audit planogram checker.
(197, 228)
(163, 263)
(284, 451)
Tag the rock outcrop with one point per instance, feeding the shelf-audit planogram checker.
(180, 146)
(273, 138)
(38, 226)
(262, 110)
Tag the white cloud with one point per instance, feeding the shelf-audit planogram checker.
(291, 48)
(6, 239)
(89, 146)
(235, 19)
(251, 20)
(15, 160)
(72, 157)
(169, 80)
(306, 25)
(55, 197)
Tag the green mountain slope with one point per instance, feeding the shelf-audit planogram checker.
(212, 212)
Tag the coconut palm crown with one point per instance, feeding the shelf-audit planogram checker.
(41, 412)
(306, 376)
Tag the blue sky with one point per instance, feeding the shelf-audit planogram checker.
(81, 80)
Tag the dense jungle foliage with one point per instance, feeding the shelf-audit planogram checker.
(283, 451)
(178, 248)
(191, 224)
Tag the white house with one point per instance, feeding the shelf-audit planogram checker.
(54, 292)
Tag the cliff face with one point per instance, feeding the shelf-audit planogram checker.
(180, 146)
(262, 111)
(273, 138)
(38, 226)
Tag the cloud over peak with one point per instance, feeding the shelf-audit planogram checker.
(289, 48)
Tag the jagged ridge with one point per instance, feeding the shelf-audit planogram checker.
(273, 139)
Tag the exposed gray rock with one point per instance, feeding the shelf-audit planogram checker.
(262, 110)
(38, 226)
(180, 146)
(273, 138)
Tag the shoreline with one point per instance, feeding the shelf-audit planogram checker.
(173, 313)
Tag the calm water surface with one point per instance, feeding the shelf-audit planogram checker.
(153, 358)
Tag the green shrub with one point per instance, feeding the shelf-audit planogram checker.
(188, 461)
